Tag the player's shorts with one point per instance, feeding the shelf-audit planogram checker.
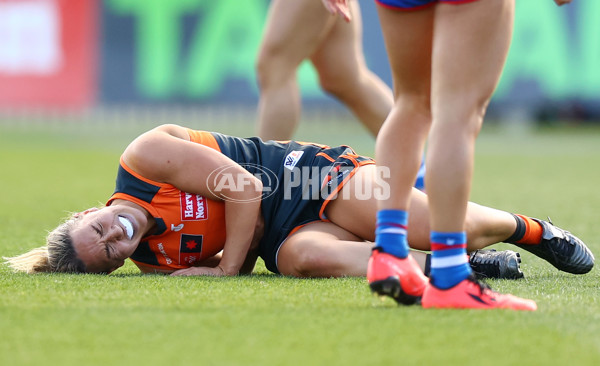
(299, 179)
(410, 5)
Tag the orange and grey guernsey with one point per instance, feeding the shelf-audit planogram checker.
(190, 227)
(299, 179)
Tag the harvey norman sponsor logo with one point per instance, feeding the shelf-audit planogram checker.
(193, 207)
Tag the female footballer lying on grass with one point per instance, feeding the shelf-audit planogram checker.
(198, 203)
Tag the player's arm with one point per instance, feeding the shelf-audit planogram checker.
(247, 266)
(166, 155)
(250, 262)
(153, 270)
(208, 262)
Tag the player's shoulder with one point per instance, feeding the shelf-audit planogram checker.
(153, 151)
(172, 130)
(155, 139)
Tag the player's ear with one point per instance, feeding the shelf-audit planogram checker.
(77, 215)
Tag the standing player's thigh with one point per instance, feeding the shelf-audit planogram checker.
(341, 51)
(408, 40)
(294, 29)
(471, 42)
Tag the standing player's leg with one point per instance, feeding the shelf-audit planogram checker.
(343, 72)
(470, 45)
(408, 40)
(293, 31)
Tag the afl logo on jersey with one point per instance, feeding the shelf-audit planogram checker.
(193, 207)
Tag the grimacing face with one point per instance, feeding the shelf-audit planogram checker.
(103, 238)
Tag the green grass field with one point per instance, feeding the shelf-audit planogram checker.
(127, 318)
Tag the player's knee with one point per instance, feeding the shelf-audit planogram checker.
(266, 63)
(305, 264)
(274, 64)
(309, 263)
(262, 70)
(472, 108)
(331, 85)
(416, 102)
(336, 83)
(273, 73)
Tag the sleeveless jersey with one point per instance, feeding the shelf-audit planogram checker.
(191, 228)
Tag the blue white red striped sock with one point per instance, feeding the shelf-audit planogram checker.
(449, 260)
(390, 235)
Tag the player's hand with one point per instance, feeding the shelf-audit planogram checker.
(562, 2)
(340, 7)
(200, 271)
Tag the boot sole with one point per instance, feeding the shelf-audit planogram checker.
(391, 287)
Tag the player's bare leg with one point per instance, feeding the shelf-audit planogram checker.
(470, 45)
(485, 225)
(399, 147)
(408, 38)
(340, 63)
(293, 32)
(323, 249)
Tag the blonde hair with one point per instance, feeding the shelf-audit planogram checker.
(58, 255)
